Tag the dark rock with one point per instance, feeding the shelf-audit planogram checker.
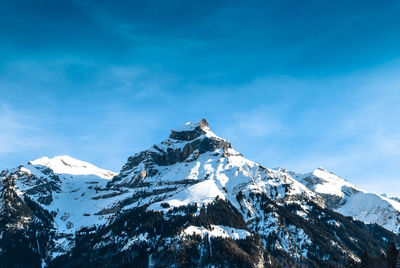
(192, 134)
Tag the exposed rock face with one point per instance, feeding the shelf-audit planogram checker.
(191, 132)
(25, 227)
(345, 198)
(189, 201)
(168, 156)
(183, 145)
(14, 213)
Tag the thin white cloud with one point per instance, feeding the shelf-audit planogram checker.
(16, 134)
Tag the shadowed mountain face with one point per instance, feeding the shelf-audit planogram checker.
(189, 201)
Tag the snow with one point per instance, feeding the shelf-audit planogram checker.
(392, 197)
(135, 240)
(301, 238)
(293, 240)
(332, 183)
(73, 202)
(372, 208)
(189, 126)
(327, 182)
(222, 173)
(334, 223)
(354, 202)
(221, 177)
(68, 165)
(22, 169)
(217, 231)
(204, 192)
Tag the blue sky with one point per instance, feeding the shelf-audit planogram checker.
(299, 84)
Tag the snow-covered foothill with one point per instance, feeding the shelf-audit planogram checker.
(68, 165)
(347, 199)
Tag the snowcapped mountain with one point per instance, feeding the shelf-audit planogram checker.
(196, 166)
(64, 187)
(68, 165)
(395, 198)
(345, 198)
(191, 200)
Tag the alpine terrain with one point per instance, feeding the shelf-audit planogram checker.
(190, 201)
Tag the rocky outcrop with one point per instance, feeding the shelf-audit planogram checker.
(189, 201)
(191, 133)
(14, 213)
(183, 145)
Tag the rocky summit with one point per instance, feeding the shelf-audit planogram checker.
(191, 200)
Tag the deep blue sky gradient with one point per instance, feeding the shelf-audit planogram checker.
(298, 84)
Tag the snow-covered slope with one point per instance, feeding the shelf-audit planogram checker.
(195, 166)
(65, 187)
(392, 197)
(324, 182)
(68, 165)
(347, 199)
(169, 201)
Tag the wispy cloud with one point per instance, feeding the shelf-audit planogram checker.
(16, 134)
(298, 87)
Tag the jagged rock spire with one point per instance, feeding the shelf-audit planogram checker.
(190, 131)
(186, 142)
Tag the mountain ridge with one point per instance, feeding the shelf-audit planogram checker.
(193, 185)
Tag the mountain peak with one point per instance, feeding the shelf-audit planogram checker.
(65, 164)
(322, 169)
(190, 131)
(202, 124)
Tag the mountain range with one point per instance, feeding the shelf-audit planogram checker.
(191, 200)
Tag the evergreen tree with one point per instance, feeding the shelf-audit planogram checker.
(392, 254)
(365, 260)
